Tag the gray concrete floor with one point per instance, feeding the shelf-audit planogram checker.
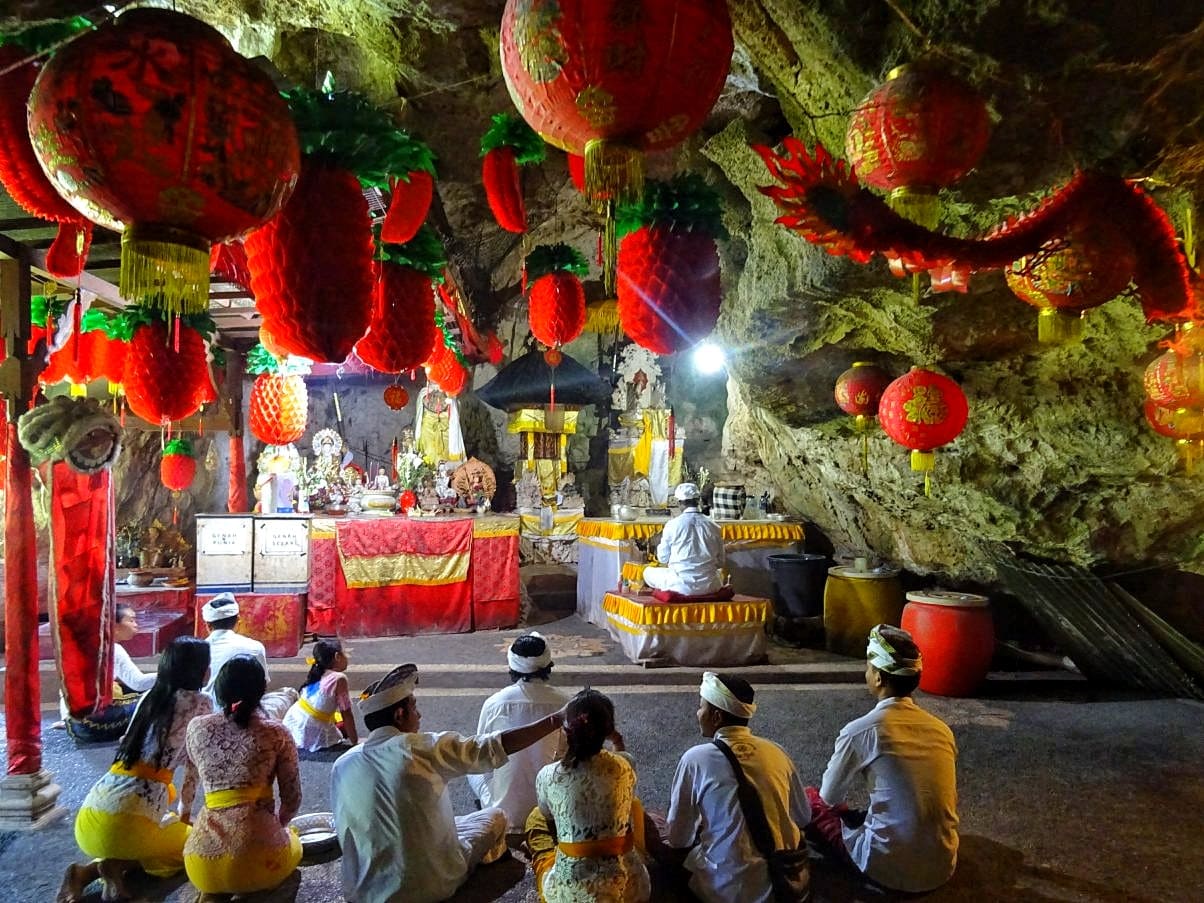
(1066, 793)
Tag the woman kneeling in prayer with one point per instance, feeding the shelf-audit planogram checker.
(321, 717)
(240, 844)
(123, 821)
(583, 834)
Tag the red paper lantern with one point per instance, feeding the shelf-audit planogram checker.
(444, 369)
(1175, 379)
(154, 125)
(923, 410)
(402, 330)
(555, 296)
(177, 466)
(668, 287)
(164, 373)
(22, 175)
(1175, 423)
(311, 267)
(408, 207)
(859, 389)
(396, 397)
(1069, 276)
(920, 130)
(495, 351)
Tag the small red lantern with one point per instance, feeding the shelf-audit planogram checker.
(923, 410)
(396, 397)
(411, 193)
(278, 410)
(1092, 265)
(509, 144)
(153, 125)
(1186, 425)
(919, 131)
(556, 298)
(177, 467)
(858, 391)
(1175, 379)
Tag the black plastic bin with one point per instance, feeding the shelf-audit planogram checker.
(798, 585)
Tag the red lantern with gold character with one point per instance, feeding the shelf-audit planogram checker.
(153, 125)
(1175, 379)
(396, 397)
(1185, 425)
(923, 410)
(858, 392)
(919, 131)
(613, 79)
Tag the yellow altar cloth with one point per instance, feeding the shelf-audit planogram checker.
(694, 634)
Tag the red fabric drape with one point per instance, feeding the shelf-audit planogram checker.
(236, 493)
(22, 690)
(82, 594)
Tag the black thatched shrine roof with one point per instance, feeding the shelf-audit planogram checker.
(525, 383)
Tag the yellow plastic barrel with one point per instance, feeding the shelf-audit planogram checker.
(854, 601)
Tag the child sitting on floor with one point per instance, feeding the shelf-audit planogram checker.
(322, 717)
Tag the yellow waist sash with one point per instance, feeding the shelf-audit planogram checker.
(593, 849)
(331, 718)
(148, 772)
(236, 796)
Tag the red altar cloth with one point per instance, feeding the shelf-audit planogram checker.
(275, 619)
(485, 596)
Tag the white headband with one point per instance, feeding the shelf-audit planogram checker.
(389, 696)
(715, 692)
(219, 607)
(883, 656)
(529, 664)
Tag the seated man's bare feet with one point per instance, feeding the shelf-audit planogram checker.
(75, 881)
(112, 874)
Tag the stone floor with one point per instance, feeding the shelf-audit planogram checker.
(1066, 793)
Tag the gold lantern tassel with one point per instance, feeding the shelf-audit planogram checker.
(860, 423)
(614, 174)
(924, 461)
(78, 390)
(1059, 327)
(166, 268)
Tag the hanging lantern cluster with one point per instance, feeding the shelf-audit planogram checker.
(923, 410)
(177, 466)
(1068, 276)
(20, 172)
(555, 296)
(402, 333)
(445, 367)
(279, 407)
(89, 354)
(509, 144)
(669, 290)
(166, 373)
(858, 393)
(1174, 388)
(311, 266)
(610, 80)
(154, 126)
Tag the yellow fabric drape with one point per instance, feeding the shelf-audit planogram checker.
(732, 531)
(433, 441)
(534, 420)
(148, 772)
(236, 796)
(633, 571)
(405, 567)
(602, 316)
(690, 613)
(562, 524)
(494, 526)
(322, 528)
(620, 464)
(593, 849)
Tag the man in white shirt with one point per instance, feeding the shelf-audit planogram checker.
(907, 841)
(221, 615)
(690, 551)
(131, 676)
(392, 811)
(529, 697)
(704, 810)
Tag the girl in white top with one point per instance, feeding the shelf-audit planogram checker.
(321, 717)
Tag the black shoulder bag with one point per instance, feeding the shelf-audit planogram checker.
(789, 870)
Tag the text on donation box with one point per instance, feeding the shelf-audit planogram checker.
(232, 540)
(281, 543)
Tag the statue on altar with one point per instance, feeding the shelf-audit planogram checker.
(567, 495)
(475, 483)
(647, 444)
(437, 426)
(527, 491)
(331, 480)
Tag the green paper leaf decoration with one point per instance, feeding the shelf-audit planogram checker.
(545, 259)
(125, 323)
(424, 252)
(512, 131)
(178, 447)
(684, 203)
(41, 38)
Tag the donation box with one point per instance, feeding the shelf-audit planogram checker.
(281, 553)
(224, 557)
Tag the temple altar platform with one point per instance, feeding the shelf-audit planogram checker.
(688, 634)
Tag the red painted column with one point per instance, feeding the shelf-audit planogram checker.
(22, 689)
(236, 493)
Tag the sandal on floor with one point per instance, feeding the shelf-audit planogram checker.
(74, 888)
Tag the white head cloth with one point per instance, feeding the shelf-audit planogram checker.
(883, 656)
(528, 664)
(717, 694)
(391, 689)
(686, 492)
(221, 606)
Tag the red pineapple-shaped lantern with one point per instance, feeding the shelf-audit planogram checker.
(858, 393)
(668, 281)
(1067, 277)
(279, 405)
(923, 410)
(919, 131)
(153, 125)
(20, 172)
(166, 368)
(444, 367)
(612, 79)
(556, 298)
(177, 466)
(82, 356)
(509, 144)
(411, 192)
(402, 332)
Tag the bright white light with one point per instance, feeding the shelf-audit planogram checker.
(709, 359)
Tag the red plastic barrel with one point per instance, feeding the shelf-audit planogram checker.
(956, 637)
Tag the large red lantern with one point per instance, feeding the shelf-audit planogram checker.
(612, 79)
(923, 410)
(1069, 276)
(1175, 379)
(858, 392)
(919, 131)
(152, 124)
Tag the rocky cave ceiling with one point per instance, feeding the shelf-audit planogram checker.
(1056, 460)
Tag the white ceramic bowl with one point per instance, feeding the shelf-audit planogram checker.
(316, 831)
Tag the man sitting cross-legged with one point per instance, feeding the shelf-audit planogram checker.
(705, 814)
(392, 809)
(907, 841)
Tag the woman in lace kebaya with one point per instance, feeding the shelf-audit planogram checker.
(322, 717)
(240, 843)
(584, 832)
(122, 820)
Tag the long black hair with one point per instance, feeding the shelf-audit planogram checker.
(182, 666)
(589, 719)
(324, 653)
(240, 685)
